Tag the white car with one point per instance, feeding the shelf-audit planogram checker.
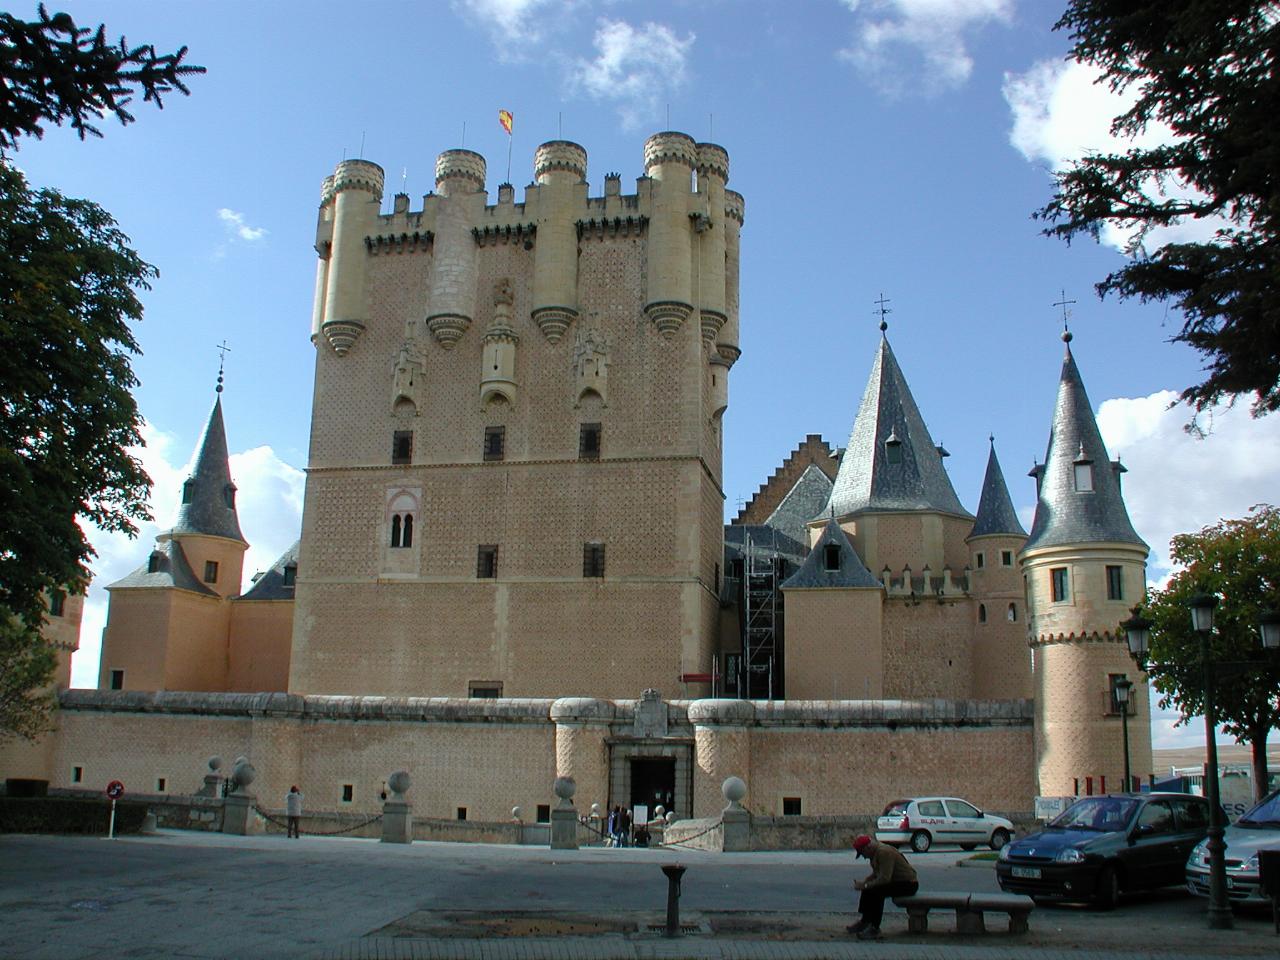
(1257, 830)
(924, 821)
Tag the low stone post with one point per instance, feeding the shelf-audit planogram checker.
(212, 779)
(237, 806)
(564, 818)
(397, 812)
(735, 820)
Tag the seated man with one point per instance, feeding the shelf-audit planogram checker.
(891, 876)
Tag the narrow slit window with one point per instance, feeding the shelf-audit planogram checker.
(1013, 613)
(487, 561)
(77, 774)
(495, 443)
(982, 613)
(1058, 584)
(831, 557)
(1115, 583)
(211, 571)
(402, 447)
(979, 560)
(57, 603)
(348, 792)
(589, 441)
(117, 679)
(188, 491)
(593, 559)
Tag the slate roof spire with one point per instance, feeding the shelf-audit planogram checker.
(1078, 485)
(208, 495)
(891, 462)
(995, 508)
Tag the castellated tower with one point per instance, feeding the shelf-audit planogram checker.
(1000, 656)
(514, 480)
(1083, 567)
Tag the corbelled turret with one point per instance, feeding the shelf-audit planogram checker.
(1078, 486)
(891, 462)
(208, 496)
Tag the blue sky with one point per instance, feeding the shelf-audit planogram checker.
(883, 146)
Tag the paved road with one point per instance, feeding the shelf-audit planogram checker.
(208, 896)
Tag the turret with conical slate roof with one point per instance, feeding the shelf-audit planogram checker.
(1084, 565)
(209, 495)
(1001, 665)
(891, 462)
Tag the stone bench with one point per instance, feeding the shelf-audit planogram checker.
(969, 908)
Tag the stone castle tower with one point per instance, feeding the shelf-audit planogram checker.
(1083, 565)
(516, 443)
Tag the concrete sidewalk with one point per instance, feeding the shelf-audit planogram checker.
(209, 896)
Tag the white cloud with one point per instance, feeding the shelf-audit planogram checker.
(924, 43)
(1179, 483)
(268, 501)
(1061, 114)
(516, 25)
(634, 66)
(237, 228)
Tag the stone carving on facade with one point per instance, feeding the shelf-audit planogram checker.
(498, 358)
(407, 375)
(591, 365)
(651, 716)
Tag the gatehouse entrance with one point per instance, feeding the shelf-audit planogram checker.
(653, 782)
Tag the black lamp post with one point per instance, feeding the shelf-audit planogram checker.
(1123, 687)
(1202, 607)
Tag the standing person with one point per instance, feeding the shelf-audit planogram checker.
(293, 809)
(610, 830)
(891, 876)
(626, 827)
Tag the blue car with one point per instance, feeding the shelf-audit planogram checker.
(1101, 847)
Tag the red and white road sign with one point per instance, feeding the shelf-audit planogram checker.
(115, 789)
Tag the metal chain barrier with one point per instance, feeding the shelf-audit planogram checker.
(315, 833)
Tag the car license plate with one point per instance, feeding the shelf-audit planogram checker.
(1027, 873)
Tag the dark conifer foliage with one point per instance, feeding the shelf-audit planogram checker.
(1206, 69)
(52, 71)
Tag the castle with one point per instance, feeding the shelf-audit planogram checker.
(513, 526)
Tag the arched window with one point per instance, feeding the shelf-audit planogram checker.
(1013, 613)
(406, 540)
(395, 530)
(402, 516)
(982, 613)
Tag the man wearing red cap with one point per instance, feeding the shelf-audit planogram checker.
(891, 876)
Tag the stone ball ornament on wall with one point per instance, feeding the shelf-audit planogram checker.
(565, 788)
(734, 789)
(399, 782)
(243, 775)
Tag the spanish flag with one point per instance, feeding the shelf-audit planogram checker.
(506, 119)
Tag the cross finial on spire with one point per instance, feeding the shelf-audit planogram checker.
(1066, 316)
(991, 439)
(883, 311)
(222, 349)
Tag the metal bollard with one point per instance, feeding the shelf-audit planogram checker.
(674, 872)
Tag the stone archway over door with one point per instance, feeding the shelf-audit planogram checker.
(631, 758)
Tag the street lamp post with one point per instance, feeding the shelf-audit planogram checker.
(1202, 607)
(1137, 631)
(1124, 687)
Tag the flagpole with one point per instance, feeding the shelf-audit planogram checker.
(510, 138)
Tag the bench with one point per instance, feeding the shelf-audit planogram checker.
(969, 908)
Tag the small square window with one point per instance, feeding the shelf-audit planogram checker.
(484, 689)
(402, 446)
(1006, 558)
(495, 443)
(589, 441)
(462, 813)
(117, 679)
(1115, 583)
(791, 806)
(211, 571)
(348, 792)
(57, 603)
(161, 784)
(544, 813)
(979, 560)
(593, 559)
(1058, 582)
(77, 774)
(487, 561)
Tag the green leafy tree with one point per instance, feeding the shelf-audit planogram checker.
(52, 71)
(68, 293)
(1206, 70)
(1239, 562)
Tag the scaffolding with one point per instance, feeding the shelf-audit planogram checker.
(760, 631)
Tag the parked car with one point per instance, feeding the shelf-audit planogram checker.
(924, 821)
(1258, 829)
(1100, 847)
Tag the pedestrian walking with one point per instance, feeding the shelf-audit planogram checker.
(891, 876)
(293, 810)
